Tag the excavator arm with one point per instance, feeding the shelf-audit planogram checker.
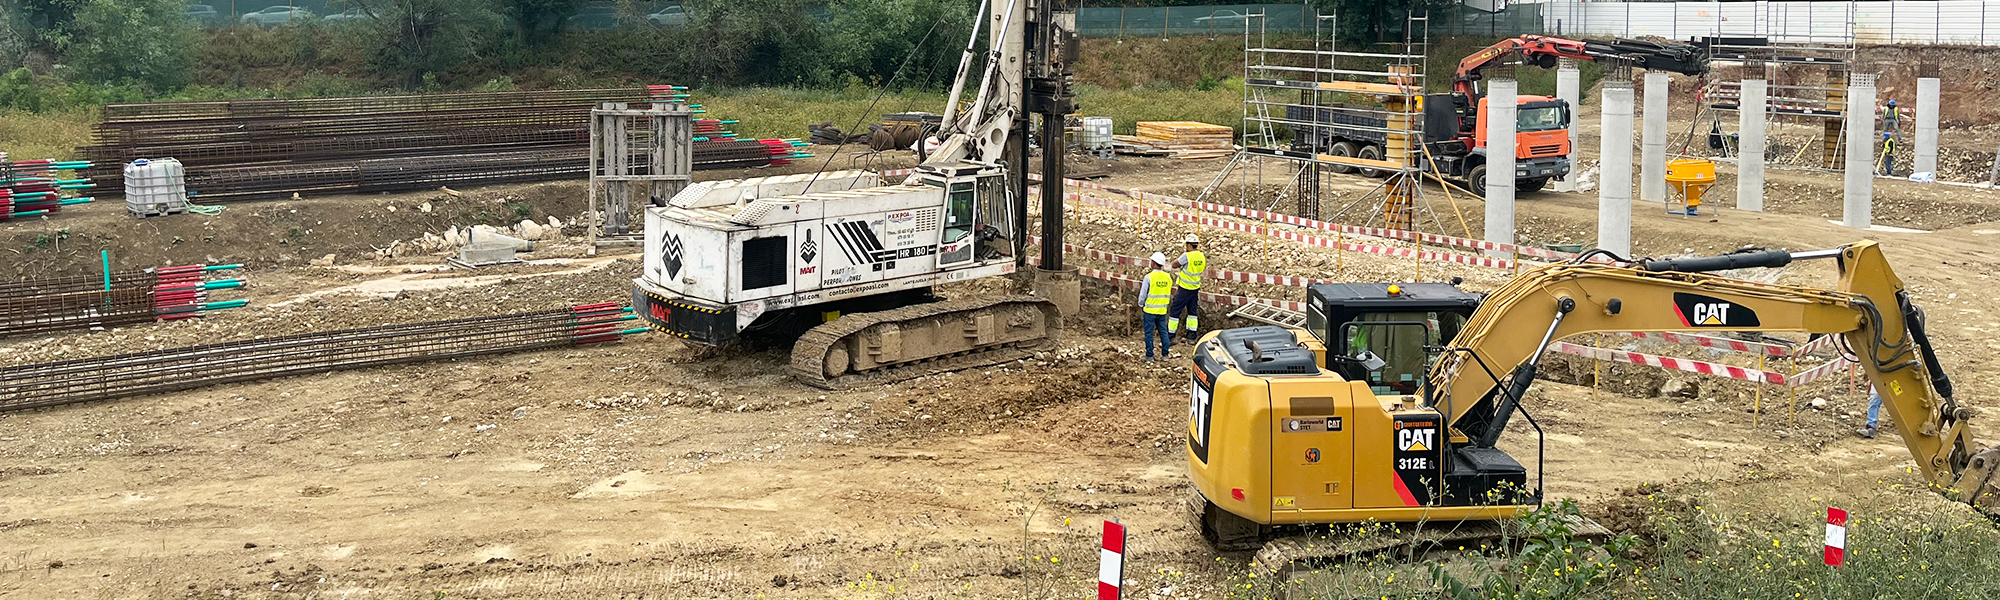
(1543, 51)
(1479, 382)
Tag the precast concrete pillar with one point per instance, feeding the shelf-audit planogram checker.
(1569, 88)
(1501, 97)
(1860, 193)
(1750, 145)
(1653, 164)
(1614, 188)
(1925, 160)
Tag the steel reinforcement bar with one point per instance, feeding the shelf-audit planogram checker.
(122, 298)
(126, 375)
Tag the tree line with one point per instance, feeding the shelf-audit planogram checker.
(156, 46)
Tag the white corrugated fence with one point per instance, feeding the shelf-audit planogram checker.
(1963, 22)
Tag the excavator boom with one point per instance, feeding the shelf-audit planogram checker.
(1870, 310)
(1544, 50)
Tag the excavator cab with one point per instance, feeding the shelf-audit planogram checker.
(1387, 335)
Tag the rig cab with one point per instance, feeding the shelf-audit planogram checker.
(1330, 424)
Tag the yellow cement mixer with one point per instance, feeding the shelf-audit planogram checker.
(1689, 178)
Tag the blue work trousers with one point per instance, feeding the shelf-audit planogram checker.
(1152, 325)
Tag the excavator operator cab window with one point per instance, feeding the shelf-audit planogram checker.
(996, 236)
(961, 205)
(1393, 351)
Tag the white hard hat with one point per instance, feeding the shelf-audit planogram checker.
(1193, 239)
(1160, 259)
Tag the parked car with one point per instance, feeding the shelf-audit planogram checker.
(276, 15)
(349, 15)
(203, 14)
(1222, 17)
(672, 16)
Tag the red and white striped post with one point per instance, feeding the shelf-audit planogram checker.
(1836, 536)
(1111, 562)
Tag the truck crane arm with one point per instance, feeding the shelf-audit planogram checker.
(1870, 310)
(1543, 51)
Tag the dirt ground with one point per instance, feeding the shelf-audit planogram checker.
(654, 469)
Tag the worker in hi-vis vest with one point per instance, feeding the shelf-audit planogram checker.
(1153, 295)
(1188, 270)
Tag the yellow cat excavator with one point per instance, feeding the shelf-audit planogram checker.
(1390, 405)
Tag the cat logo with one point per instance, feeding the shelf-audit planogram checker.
(1696, 310)
(1416, 440)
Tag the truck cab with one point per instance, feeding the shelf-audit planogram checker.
(1541, 138)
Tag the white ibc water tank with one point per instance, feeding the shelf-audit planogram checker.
(1096, 133)
(155, 187)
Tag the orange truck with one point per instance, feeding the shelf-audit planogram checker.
(1454, 123)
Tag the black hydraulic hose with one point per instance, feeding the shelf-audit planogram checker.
(1913, 322)
(1747, 258)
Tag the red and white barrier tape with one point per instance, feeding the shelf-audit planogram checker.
(1824, 341)
(1671, 363)
(1293, 236)
(1124, 282)
(1773, 350)
(1397, 234)
(1375, 232)
(1831, 367)
(1705, 368)
(1215, 274)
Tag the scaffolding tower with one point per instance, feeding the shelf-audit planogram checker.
(1293, 97)
(1806, 70)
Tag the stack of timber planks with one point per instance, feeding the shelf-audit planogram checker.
(1187, 139)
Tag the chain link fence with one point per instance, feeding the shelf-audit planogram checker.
(1221, 19)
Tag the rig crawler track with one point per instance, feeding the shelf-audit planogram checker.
(914, 341)
(104, 378)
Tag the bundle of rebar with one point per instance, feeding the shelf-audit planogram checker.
(36, 187)
(120, 298)
(249, 149)
(126, 375)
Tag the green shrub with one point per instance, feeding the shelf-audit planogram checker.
(148, 43)
(1892, 552)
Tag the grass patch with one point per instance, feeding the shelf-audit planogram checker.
(1687, 543)
(27, 136)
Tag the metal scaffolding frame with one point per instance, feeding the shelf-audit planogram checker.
(1290, 90)
(1807, 78)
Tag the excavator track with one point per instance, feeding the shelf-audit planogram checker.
(924, 339)
(1280, 557)
(1286, 556)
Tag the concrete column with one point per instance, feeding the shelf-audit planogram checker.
(1569, 89)
(1614, 190)
(1653, 138)
(1501, 97)
(1861, 140)
(1750, 132)
(1927, 126)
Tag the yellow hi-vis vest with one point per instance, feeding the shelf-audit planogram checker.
(1193, 265)
(1159, 289)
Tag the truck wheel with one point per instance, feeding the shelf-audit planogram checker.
(1475, 181)
(1530, 185)
(1371, 152)
(1343, 150)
